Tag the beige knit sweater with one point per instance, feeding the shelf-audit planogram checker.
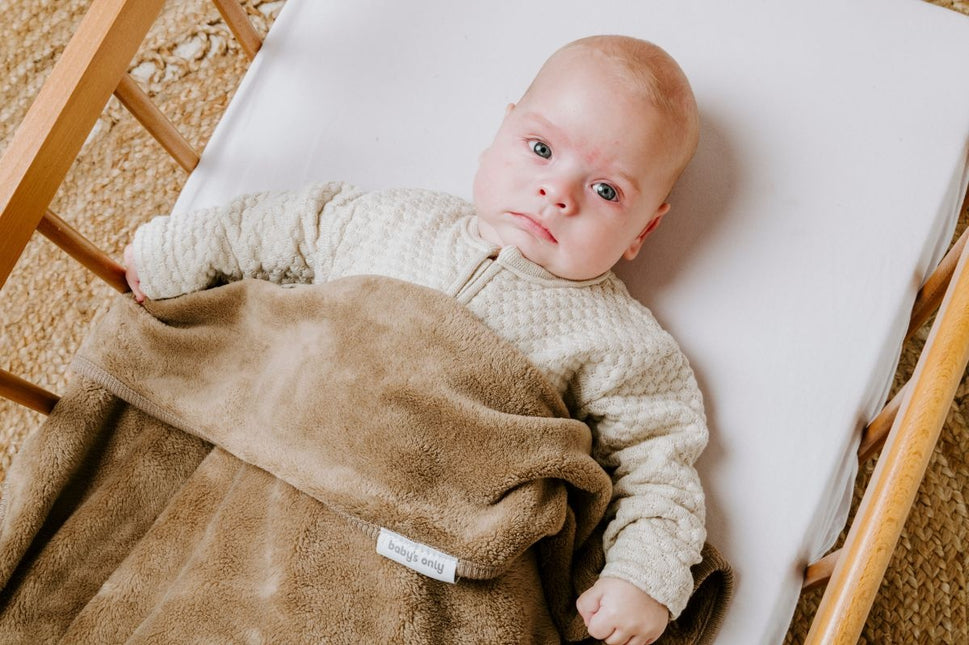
(616, 368)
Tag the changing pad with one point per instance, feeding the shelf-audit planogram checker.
(826, 184)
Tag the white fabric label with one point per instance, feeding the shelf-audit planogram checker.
(414, 555)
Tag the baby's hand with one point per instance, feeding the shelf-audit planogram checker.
(131, 274)
(620, 613)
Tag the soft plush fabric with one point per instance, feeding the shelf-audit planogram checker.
(223, 462)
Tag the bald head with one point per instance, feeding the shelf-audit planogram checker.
(650, 73)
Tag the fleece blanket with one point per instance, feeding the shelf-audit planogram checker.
(360, 461)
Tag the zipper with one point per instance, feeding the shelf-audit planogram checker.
(475, 278)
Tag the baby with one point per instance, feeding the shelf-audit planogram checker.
(576, 178)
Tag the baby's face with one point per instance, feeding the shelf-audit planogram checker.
(577, 175)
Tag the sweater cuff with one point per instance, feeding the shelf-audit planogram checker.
(157, 270)
(665, 576)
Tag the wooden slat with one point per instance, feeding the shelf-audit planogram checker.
(141, 107)
(930, 295)
(877, 431)
(235, 16)
(818, 573)
(879, 520)
(62, 115)
(83, 250)
(26, 393)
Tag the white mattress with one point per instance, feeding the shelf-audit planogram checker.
(832, 162)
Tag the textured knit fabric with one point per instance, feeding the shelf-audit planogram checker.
(616, 369)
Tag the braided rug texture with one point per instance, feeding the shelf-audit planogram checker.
(190, 64)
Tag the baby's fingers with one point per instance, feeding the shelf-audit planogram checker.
(131, 275)
(136, 291)
(602, 625)
(618, 637)
(641, 640)
(588, 604)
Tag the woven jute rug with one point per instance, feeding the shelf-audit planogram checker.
(190, 65)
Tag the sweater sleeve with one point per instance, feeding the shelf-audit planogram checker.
(283, 237)
(647, 417)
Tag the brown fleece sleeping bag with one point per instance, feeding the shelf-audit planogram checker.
(226, 465)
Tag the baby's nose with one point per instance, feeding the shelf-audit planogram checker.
(559, 196)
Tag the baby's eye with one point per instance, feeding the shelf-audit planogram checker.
(606, 191)
(541, 149)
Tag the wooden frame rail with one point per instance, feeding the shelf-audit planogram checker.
(899, 472)
(873, 437)
(91, 68)
(67, 107)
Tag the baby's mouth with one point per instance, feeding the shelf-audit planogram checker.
(533, 226)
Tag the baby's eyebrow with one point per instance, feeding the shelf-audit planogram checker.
(544, 123)
(629, 179)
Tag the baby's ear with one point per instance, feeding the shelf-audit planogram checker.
(637, 244)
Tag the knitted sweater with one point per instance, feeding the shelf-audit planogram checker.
(616, 369)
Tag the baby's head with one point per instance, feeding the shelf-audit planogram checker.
(581, 167)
